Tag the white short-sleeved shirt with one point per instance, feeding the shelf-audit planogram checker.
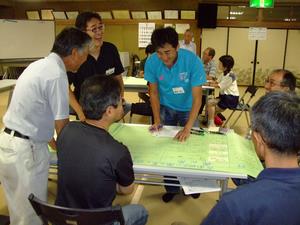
(191, 46)
(39, 98)
(228, 84)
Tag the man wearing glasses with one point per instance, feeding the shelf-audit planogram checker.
(280, 80)
(103, 59)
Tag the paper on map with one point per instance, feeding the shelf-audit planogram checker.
(167, 132)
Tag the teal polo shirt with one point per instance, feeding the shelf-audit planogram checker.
(175, 84)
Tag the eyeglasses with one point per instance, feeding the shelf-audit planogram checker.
(98, 28)
(123, 103)
(272, 82)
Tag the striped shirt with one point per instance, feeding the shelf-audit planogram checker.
(211, 68)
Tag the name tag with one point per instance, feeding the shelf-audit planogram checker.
(110, 71)
(178, 90)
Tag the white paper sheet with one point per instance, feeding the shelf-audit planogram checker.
(193, 186)
(167, 132)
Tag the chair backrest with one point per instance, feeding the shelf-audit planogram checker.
(141, 108)
(245, 99)
(68, 216)
(252, 90)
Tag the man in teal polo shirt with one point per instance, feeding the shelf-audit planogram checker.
(175, 76)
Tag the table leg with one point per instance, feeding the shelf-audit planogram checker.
(224, 187)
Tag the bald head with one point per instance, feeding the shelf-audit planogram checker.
(280, 80)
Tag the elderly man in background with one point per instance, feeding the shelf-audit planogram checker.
(280, 80)
(187, 42)
(210, 68)
(209, 63)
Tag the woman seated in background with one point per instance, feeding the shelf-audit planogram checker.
(229, 93)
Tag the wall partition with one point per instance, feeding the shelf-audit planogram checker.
(281, 49)
(293, 53)
(242, 50)
(270, 54)
(215, 38)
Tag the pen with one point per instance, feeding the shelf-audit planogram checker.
(216, 132)
(197, 132)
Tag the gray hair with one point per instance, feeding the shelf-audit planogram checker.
(276, 117)
(68, 39)
(97, 93)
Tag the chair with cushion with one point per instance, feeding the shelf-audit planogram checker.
(65, 216)
(243, 105)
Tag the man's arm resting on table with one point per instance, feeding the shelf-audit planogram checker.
(125, 190)
(76, 106)
(120, 79)
(155, 104)
(197, 99)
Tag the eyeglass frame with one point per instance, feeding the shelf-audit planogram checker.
(97, 28)
(274, 82)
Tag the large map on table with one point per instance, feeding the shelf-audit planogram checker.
(214, 152)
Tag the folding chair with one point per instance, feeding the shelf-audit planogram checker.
(141, 108)
(243, 105)
(65, 216)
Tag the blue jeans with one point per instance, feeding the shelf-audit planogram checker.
(172, 117)
(134, 214)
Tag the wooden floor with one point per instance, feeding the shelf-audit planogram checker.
(182, 208)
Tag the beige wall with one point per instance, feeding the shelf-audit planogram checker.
(293, 53)
(125, 37)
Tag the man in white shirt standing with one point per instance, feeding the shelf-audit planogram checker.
(39, 104)
(187, 42)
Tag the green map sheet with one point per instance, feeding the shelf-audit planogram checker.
(212, 152)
